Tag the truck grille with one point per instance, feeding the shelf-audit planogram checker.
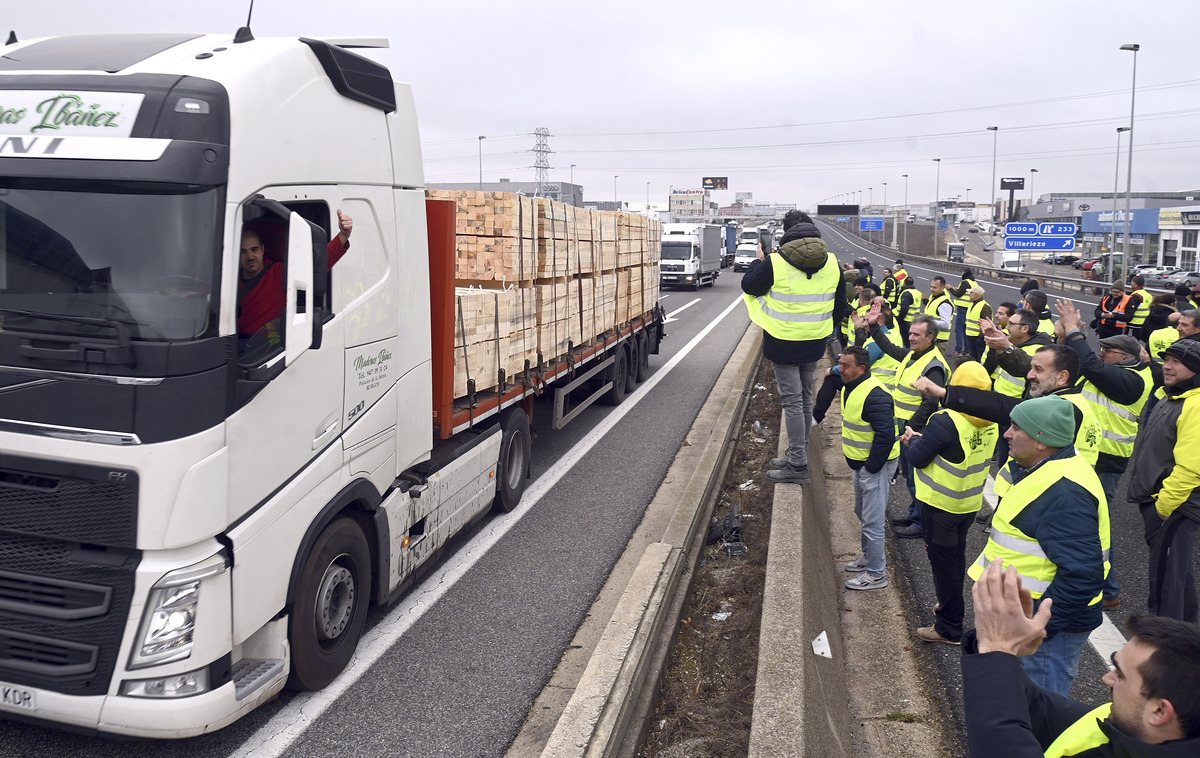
(63, 615)
(671, 266)
(89, 504)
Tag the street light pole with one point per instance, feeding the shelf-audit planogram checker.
(481, 139)
(615, 190)
(572, 173)
(906, 214)
(1032, 171)
(937, 206)
(1129, 172)
(995, 130)
(1112, 245)
(885, 215)
(647, 199)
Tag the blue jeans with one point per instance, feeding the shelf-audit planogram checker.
(870, 505)
(795, 383)
(1109, 481)
(1054, 666)
(960, 330)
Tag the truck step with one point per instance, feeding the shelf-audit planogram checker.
(252, 673)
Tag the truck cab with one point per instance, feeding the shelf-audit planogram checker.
(956, 251)
(691, 255)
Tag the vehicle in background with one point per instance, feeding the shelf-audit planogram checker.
(729, 239)
(1008, 261)
(691, 255)
(1190, 278)
(956, 251)
(748, 234)
(1060, 259)
(747, 253)
(973, 230)
(1084, 262)
(1160, 278)
(911, 218)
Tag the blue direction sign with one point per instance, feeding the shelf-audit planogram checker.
(1040, 243)
(1056, 230)
(1020, 230)
(843, 219)
(943, 225)
(870, 224)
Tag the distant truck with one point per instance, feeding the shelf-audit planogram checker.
(1008, 261)
(956, 251)
(749, 234)
(691, 255)
(729, 238)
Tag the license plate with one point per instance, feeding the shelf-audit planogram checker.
(17, 698)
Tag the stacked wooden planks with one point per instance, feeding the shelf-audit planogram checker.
(538, 277)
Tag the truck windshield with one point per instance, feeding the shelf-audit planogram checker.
(133, 257)
(676, 250)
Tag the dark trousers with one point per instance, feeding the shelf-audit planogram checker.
(1172, 578)
(975, 346)
(904, 331)
(946, 546)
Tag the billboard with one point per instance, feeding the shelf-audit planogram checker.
(837, 210)
(715, 182)
(1012, 183)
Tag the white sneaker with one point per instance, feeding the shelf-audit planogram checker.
(858, 565)
(865, 581)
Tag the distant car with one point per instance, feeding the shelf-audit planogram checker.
(1048, 257)
(1087, 265)
(1062, 259)
(1190, 278)
(1161, 279)
(962, 239)
(1083, 262)
(973, 230)
(746, 253)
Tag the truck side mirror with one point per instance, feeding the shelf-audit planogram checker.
(301, 304)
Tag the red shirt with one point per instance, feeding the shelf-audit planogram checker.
(265, 300)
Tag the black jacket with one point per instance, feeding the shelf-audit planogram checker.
(936, 374)
(939, 437)
(1008, 716)
(759, 278)
(1018, 361)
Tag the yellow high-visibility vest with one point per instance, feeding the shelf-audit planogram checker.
(958, 487)
(973, 313)
(908, 400)
(857, 434)
(965, 300)
(1081, 736)
(1119, 422)
(797, 307)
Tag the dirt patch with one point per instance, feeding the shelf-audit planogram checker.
(706, 700)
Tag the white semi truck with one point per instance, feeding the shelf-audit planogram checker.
(188, 523)
(691, 255)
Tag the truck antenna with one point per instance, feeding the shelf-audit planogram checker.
(244, 34)
(12, 37)
(249, 14)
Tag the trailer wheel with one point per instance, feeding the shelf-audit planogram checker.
(512, 469)
(618, 374)
(635, 359)
(331, 605)
(643, 359)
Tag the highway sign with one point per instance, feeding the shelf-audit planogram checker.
(870, 224)
(1056, 230)
(943, 225)
(843, 219)
(1040, 243)
(1021, 230)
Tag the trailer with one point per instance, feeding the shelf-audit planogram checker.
(691, 255)
(193, 513)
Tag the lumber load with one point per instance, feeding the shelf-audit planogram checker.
(536, 277)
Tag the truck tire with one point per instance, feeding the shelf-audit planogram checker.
(618, 374)
(631, 376)
(696, 285)
(643, 361)
(512, 469)
(330, 608)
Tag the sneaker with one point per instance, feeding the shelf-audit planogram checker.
(910, 532)
(789, 475)
(865, 581)
(858, 565)
(777, 463)
(930, 634)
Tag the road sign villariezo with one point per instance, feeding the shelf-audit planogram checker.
(1040, 243)
(870, 224)
(1040, 236)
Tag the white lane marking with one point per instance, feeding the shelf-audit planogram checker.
(1106, 639)
(671, 316)
(286, 726)
(848, 239)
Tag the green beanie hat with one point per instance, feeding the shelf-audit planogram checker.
(1049, 420)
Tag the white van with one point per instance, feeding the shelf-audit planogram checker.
(746, 253)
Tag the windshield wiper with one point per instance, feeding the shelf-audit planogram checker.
(80, 351)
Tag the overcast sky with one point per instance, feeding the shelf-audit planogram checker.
(795, 102)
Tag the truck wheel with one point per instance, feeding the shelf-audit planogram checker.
(696, 286)
(512, 469)
(330, 606)
(635, 351)
(643, 361)
(618, 374)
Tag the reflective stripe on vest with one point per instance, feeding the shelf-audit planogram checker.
(1143, 309)
(958, 487)
(930, 310)
(857, 434)
(973, 313)
(1008, 384)
(797, 307)
(884, 367)
(915, 299)
(1085, 734)
(848, 325)
(1117, 320)
(1119, 423)
(965, 300)
(908, 400)
(1015, 548)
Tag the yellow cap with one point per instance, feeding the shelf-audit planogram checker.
(972, 374)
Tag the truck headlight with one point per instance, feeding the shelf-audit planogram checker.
(169, 619)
